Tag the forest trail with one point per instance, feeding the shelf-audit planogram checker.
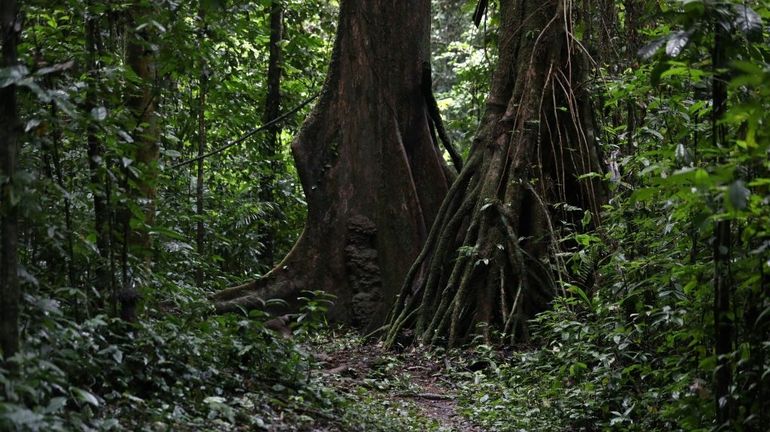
(415, 377)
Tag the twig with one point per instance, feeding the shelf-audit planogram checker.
(431, 396)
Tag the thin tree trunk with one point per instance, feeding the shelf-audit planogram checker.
(70, 258)
(200, 234)
(372, 175)
(633, 15)
(272, 145)
(96, 166)
(10, 292)
(53, 171)
(723, 326)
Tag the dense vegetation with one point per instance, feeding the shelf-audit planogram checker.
(138, 180)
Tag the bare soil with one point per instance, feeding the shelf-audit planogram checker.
(414, 375)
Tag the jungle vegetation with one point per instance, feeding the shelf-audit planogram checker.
(539, 215)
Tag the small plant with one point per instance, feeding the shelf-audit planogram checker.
(312, 316)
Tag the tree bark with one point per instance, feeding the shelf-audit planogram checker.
(141, 101)
(10, 293)
(53, 171)
(97, 168)
(723, 325)
(372, 175)
(490, 257)
(200, 234)
(272, 144)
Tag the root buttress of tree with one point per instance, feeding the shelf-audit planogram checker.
(492, 256)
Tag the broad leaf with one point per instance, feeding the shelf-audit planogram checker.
(746, 20)
(676, 43)
(12, 75)
(651, 48)
(84, 396)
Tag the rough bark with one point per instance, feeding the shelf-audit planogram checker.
(141, 100)
(272, 144)
(10, 293)
(491, 258)
(372, 175)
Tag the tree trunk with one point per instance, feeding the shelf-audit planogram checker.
(141, 101)
(272, 144)
(97, 168)
(200, 229)
(491, 257)
(723, 325)
(10, 293)
(372, 175)
(53, 170)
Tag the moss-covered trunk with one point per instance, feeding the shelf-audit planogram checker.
(491, 258)
(373, 177)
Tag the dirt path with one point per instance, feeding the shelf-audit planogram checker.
(413, 376)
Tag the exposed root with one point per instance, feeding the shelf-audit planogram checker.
(492, 259)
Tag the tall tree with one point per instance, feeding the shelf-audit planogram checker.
(203, 82)
(272, 111)
(10, 28)
(489, 257)
(373, 176)
(96, 161)
(723, 326)
(141, 100)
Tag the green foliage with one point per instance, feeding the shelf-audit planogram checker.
(637, 351)
(178, 367)
(463, 59)
(631, 347)
(178, 371)
(312, 316)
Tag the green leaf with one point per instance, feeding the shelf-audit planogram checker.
(276, 302)
(24, 417)
(173, 154)
(99, 113)
(682, 154)
(55, 405)
(746, 20)
(651, 48)
(738, 194)
(574, 289)
(84, 396)
(12, 75)
(676, 43)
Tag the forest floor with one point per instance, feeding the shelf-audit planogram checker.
(417, 382)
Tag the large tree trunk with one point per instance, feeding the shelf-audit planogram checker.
(373, 177)
(489, 259)
(10, 294)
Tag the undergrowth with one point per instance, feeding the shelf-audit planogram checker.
(178, 372)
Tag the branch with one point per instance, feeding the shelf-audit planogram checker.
(478, 13)
(249, 133)
(435, 116)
